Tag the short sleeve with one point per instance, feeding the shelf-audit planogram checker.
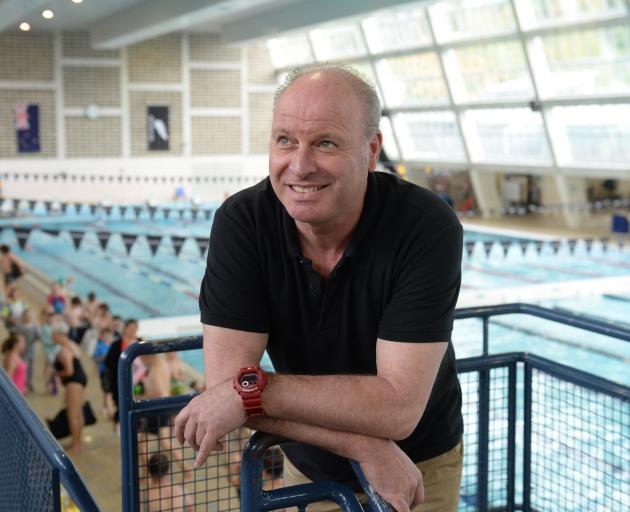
(425, 290)
(232, 292)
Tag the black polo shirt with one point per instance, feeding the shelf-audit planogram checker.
(398, 280)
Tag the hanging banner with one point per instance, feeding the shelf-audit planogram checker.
(51, 231)
(152, 210)
(203, 244)
(604, 241)
(108, 210)
(589, 244)
(470, 247)
(505, 245)
(194, 212)
(103, 238)
(77, 236)
(22, 234)
(64, 207)
(523, 244)
(157, 128)
(128, 239)
(27, 127)
(555, 246)
(487, 247)
(572, 244)
(167, 212)
(122, 210)
(31, 204)
(92, 208)
(178, 242)
(154, 242)
(207, 213)
(181, 213)
(47, 205)
(136, 211)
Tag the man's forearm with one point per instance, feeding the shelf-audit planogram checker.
(370, 405)
(345, 444)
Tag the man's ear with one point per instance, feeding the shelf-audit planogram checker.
(374, 150)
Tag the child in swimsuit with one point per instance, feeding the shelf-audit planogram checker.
(14, 365)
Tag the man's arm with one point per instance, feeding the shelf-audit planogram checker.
(388, 405)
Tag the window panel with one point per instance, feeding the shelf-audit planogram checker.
(389, 144)
(429, 136)
(583, 62)
(464, 19)
(489, 72)
(543, 13)
(290, 51)
(397, 29)
(507, 135)
(338, 42)
(412, 80)
(593, 134)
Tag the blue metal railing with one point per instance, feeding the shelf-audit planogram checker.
(32, 464)
(493, 386)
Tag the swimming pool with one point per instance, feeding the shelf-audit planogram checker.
(137, 284)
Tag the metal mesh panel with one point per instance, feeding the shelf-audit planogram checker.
(26, 479)
(498, 438)
(580, 448)
(168, 481)
(470, 410)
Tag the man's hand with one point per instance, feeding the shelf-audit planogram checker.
(208, 417)
(393, 476)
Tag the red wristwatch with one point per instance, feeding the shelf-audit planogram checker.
(250, 383)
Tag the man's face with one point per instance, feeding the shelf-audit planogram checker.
(319, 156)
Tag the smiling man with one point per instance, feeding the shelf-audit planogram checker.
(349, 279)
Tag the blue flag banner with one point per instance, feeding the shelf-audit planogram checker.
(27, 127)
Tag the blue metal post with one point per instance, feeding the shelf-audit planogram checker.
(482, 435)
(527, 438)
(485, 335)
(511, 455)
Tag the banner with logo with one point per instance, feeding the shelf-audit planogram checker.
(27, 127)
(157, 128)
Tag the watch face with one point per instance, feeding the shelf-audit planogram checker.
(249, 380)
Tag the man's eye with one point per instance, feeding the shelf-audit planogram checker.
(327, 144)
(283, 141)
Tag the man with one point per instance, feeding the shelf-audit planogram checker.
(349, 279)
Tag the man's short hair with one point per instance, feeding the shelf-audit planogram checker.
(361, 85)
(5, 249)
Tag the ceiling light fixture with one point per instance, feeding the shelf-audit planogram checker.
(25, 27)
(48, 14)
(77, 1)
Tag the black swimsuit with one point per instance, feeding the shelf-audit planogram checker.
(78, 375)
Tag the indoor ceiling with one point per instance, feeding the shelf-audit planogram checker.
(116, 23)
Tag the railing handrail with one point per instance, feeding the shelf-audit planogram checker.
(50, 449)
(128, 405)
(570, 319)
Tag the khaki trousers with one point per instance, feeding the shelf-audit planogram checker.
(441, 476)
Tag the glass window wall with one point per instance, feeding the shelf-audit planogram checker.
(412, 80)
(399, 29)
(337, 42)
(431, 136)
(506, 135)
(290, 51)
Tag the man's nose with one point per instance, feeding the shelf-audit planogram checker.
(303, 162)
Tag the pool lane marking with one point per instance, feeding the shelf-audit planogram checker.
(135, 267)
(101, 282)
(501, 273)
